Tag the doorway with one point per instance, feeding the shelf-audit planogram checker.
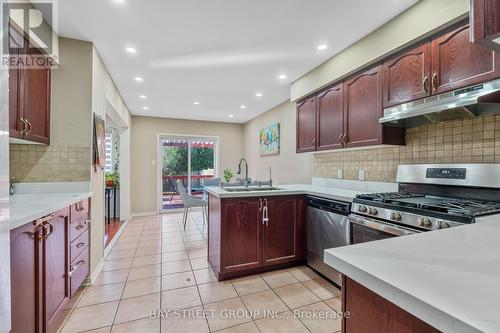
(192, 160)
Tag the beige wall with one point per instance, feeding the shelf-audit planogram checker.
(103, 89)
(144, 147)
(423, 18)
(288, 167)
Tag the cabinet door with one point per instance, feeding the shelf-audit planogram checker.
(330, 118)
(306, 125)
(283, 234)
(457, 63)
(37, 104)
(16, 45)
(485, 18)
(25, 273)
(55, 256)
(363, 108)
(406, 77)
(240, 234)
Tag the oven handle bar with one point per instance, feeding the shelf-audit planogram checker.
(387, 228)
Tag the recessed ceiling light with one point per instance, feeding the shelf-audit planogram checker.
(196, 103)
(231, 116)
(243, 106)
(282, 77)
(138, 79)
(143, 96)
(130, 50)
(322, 47)
(259, 94)
(146, 108)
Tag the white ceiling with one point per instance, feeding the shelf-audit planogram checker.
(219, 53)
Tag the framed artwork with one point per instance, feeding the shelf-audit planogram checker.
(269, 139)
(99, 136)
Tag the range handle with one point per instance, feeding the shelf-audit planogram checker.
(381, 226)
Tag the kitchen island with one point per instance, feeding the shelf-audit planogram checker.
(447, 279)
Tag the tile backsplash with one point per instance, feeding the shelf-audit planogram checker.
(38, 163)
(460, 141)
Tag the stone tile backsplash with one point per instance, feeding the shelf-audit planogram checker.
(461, 141)
(39, 163)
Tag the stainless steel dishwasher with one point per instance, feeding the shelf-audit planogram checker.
(327, 227)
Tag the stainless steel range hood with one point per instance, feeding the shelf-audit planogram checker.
(471, 102)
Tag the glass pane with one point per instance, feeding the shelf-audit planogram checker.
(202, 165)
(175, 166)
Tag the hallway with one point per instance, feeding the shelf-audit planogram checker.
(156, 265)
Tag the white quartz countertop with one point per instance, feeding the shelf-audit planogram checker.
(25, 208)
(448, 278)
(325, 192)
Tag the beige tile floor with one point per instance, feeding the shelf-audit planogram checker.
(155, 264)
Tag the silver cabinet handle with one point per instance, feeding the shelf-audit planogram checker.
(78, 264)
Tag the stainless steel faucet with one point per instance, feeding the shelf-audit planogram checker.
(246, 170)
(270, 177)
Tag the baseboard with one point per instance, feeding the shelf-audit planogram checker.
(90, 280)
(141, 214)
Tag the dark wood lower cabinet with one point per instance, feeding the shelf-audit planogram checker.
(283, 234)
(369, 312)
(40, 273)
(25, 273)
(241, 242)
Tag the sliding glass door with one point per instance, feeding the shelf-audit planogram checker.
(189, 159)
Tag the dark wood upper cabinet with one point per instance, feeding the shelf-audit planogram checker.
(37, 104)
(241, 234)
(363, 108)
(25, 270)
(330, 104)
(406, 77)
(485, 23)
(457, 63)
(283, 234)
(55, 267)
(306, 125)
(29, 95)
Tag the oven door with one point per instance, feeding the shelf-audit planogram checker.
(364, 229)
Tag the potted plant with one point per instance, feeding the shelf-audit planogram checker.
(228, 174)
(112, 179)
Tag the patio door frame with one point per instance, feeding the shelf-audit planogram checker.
(159, 161)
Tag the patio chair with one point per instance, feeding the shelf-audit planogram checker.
(190, 202)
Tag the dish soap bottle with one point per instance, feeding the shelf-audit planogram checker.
(11, 188)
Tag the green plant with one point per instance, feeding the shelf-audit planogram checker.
(228, 174)
(113, 176)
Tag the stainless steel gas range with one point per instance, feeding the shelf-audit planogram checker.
(430, 197)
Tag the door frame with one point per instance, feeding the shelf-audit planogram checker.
(159, 163)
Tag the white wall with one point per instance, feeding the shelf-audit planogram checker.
(288, 167)
(104, 91)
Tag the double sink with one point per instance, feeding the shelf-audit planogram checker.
(251, 189)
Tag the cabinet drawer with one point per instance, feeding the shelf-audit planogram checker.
(76, 228)
(80, 210)
(79, 244)
(79, 270)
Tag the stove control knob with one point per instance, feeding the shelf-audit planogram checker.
(372, 211)
(424, 222)
(443, 225)
(362, 209)
(395, 216)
